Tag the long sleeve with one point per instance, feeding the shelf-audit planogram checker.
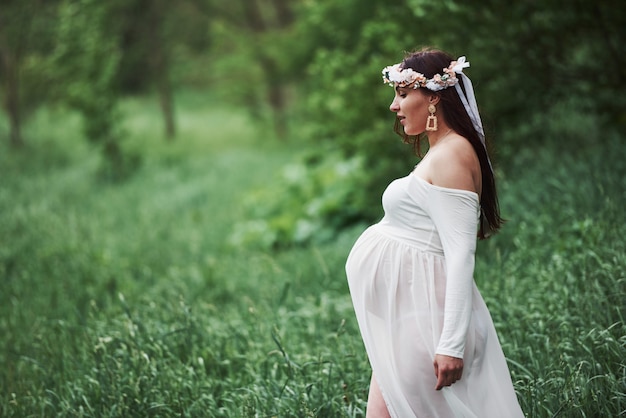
(455, 215)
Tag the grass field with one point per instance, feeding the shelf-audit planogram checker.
(125, 299)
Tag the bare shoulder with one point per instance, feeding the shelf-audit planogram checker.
(455, 165)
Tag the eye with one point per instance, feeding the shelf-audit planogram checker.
(401, 93)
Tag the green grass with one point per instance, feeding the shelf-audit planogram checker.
(126, 299)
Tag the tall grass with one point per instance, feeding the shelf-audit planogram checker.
(561, 266)
(126, 299)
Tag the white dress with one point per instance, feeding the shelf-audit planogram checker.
(411, 282)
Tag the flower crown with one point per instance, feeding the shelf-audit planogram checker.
(404, 77)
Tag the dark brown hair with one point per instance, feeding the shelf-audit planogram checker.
(430, 62)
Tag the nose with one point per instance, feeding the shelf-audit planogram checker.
(394, 106)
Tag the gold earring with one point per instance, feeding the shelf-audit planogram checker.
(431, 122)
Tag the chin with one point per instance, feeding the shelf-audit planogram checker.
(412, 132)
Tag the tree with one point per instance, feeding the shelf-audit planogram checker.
(157, 38)
(159, 61)
(257, 45)
(145, 45)
(25, 33)
(86, 61)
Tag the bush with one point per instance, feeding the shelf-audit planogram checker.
(310, 203)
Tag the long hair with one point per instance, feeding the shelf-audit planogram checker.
(430, 62)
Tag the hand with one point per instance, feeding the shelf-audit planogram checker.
(447, 370)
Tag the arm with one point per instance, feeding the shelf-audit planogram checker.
(455, 169)
(455, 209)
(455, 215)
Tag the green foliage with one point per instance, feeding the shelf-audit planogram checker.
(86, 61)
(26, 37)
(345, 100)
(87, 58)
(255, 57)
(311, 203)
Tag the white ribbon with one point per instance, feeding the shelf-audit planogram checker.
(460, 64)
(471, 107)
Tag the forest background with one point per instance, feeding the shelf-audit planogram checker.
(180, 183)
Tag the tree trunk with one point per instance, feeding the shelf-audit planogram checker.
(278, 102)
(160, 66)
(275, 97)
(253, 16)
(284, 13)
(278, 94)
(9, 61)
(275, 88)
(167, 105)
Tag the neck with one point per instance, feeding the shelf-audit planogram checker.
(436, 137)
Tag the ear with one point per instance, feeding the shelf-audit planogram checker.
(433, 99)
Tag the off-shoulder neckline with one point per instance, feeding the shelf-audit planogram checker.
(445, 189)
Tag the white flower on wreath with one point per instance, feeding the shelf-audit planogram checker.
(404, 77)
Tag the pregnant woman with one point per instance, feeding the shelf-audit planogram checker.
(429, 337)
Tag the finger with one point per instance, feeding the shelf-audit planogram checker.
(440, 383)
(442, 380)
